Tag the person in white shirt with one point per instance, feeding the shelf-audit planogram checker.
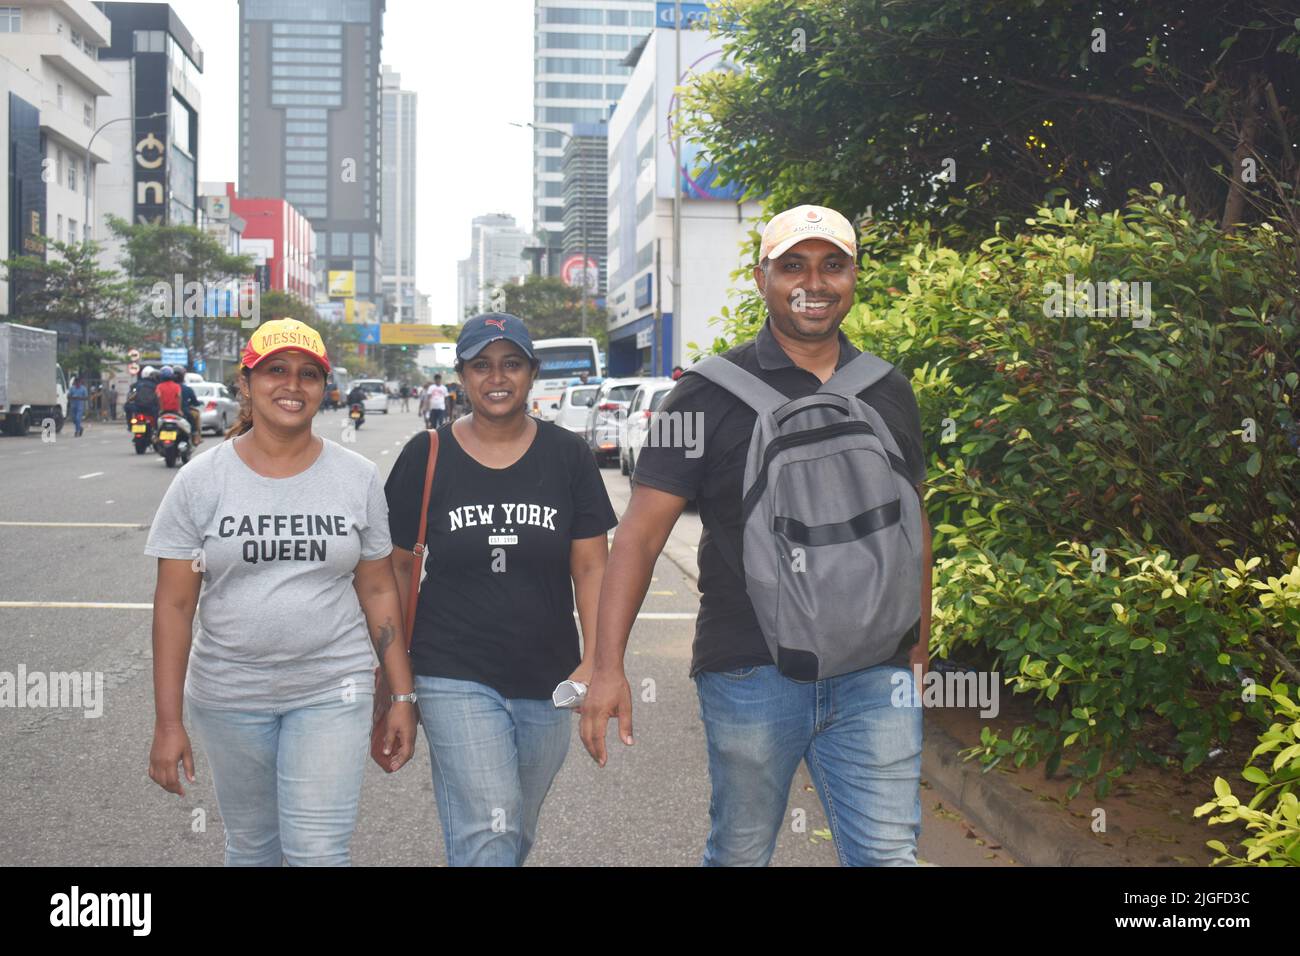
(437, 395)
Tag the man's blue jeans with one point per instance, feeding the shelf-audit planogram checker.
(494, 759)
(863, 752)
(288, 783)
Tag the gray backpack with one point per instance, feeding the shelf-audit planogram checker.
(832, 523)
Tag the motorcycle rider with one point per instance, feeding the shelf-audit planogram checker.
(168, 391)
(143, 398)
(357, 397)
(190, 405)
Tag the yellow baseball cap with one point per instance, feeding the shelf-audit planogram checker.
(806, 222)
(279, 335)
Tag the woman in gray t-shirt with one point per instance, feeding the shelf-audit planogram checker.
(286, 535)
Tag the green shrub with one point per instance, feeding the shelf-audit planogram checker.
(1276, 831)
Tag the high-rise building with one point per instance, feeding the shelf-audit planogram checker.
(153, 63)
(310, 127)
(650, 322)
(585, 185)
(578, 74)
(50, 80)
(398, 149)
(496, 257)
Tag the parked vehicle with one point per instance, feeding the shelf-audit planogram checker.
(376, 393)
(32, 385)
(571, 409)
(220, 409)
(337, 387)
(173, 440)
(645, 402)
(605, 417)
(561, 361)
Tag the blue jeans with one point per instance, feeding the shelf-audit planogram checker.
(494, 759)
(288, 783)
(863, 752)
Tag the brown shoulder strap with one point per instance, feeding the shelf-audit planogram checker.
(413, 592)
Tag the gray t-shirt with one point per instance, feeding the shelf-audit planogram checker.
(279, 623)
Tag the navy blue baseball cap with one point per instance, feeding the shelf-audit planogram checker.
(482, 330)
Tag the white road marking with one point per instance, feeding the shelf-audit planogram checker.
(72, 524)
(77, 604)
(385, 452)
(93, 474)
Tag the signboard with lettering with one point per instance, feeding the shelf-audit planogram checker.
(342, 284)
(149, 140)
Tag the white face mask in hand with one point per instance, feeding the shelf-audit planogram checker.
(569, 694)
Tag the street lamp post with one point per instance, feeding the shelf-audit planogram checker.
(582, 212)
(86, 219)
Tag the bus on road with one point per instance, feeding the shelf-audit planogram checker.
(562, 360)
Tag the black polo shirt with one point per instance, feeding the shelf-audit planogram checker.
(727, 634)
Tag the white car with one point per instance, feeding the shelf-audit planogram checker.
(571, 409)
(645, 402)
(376, 393)
(220, 409)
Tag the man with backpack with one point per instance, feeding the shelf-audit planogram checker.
(814, 564)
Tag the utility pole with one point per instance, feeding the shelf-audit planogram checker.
(677, 191)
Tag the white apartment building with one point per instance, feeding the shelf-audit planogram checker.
(650, 327)
(49, 63)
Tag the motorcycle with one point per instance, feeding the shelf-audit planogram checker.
(142, 431)
(173, 438)
(357, 412)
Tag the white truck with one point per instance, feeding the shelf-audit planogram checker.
(32, 385)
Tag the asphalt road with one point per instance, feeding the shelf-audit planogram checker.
(75, 590)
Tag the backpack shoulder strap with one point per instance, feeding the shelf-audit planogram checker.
(746, 386)
(859, 374)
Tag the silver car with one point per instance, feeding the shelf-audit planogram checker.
(645, 403)
(219, 409)
(605, 417)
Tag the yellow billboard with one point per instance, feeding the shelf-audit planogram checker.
(403, 334)
(342, 284)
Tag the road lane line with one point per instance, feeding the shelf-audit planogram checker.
(72, 524)
(93, 474)
(77, 604)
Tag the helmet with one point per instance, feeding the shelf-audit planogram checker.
(179, 372)
(148, 372)
(166, 372)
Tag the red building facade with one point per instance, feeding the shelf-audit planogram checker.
(289, 266)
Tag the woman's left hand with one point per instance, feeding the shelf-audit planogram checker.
(399, 734)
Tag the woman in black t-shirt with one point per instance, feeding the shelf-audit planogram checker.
(517, 524)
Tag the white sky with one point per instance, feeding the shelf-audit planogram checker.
(471, 64)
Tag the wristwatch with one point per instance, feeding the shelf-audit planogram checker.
(409, 698)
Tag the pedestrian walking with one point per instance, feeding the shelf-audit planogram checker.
(77, 396)
(764, 710)
(424, 402)
(277, 527)
(110, 388)
(406, 397)
(517, 524)
(437, 402)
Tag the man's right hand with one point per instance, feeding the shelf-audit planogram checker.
(608, 696)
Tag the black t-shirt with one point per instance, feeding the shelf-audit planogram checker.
(727, 633)
(497, 604)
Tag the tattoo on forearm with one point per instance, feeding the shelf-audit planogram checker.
(385, 636)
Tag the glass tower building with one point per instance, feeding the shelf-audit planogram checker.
(310, 124)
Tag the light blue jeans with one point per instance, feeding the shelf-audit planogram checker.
(288, 783)
(494, 759)
(863, 752)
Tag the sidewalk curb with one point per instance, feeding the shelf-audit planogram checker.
(1034, 833)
